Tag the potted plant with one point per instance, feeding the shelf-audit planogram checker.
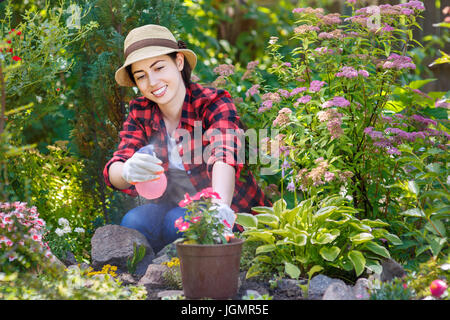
(209, 254)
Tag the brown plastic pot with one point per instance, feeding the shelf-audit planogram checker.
(210, 271)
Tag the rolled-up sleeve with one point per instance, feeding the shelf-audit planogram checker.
(224, 134)
(132, 138)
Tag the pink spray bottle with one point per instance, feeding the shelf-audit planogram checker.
(155, 188)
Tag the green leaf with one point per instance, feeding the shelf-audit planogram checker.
(279, 206)
(413, 187)
(324, 213)
(376, 248)
(374, 266)
(375, 223)
(436, 244)
(325, 237)
(416, 212)
(417, 84)
(422, 249)
(314, 270)
(246, 220)
(358, 261)
(329, 254)
(392, 238)
(265, 248)
(268, 219)
(263, 210)
(291, 270)
(361, 238)
(253, 271)
(254, 235)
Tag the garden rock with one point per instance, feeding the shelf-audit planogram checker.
(319, 284)
(289, 288)
(361, 289)
(154, 277)
(113, 244)
(338, 291)
(168, 294)
(69, 259)
(391, 270)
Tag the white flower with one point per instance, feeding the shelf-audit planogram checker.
(67, 229)
(59, 232)
(63, 222)
(79, 230)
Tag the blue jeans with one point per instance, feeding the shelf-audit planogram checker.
(156, 222)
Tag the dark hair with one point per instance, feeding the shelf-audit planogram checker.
(185, 73)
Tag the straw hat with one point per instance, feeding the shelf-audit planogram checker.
(147, 42)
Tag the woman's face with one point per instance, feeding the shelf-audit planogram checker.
(159, 79)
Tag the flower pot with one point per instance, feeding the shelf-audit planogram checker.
(210, 271)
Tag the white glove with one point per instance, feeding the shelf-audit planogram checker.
(142, 167)
(226, 216)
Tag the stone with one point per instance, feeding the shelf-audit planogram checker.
(391, 270)
(290, 288)
(154, 276)
(169, 294)
(319, 284)
(338, 291)
(69, 259)
(113, 244)
(361, 289)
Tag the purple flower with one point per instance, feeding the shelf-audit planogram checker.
(363, 73)
(304, 99)
(347, 72)
(395, 61)
(316, 85)
(265, 105)
(340, 102)
(329, 176)
(422, 120)
(287, 64)
(297, 91)
(284, 93)
(417, 5)
(253, 90)
(291, 186)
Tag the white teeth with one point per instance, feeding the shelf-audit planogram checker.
(159, 91)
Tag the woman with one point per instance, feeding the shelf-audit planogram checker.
(168, 116)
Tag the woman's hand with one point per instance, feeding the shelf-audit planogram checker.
(142, 167)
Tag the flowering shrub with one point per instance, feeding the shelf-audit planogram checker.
(74, 283)
(350, 125)
(201, 225)
(338, 104)
(21, 245)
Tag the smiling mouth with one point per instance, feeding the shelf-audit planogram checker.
(160, 92)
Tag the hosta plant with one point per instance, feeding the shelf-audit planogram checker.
(316, 232)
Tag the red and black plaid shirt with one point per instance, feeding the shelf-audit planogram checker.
(206, 115)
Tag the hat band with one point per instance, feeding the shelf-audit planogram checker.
(148, 43)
